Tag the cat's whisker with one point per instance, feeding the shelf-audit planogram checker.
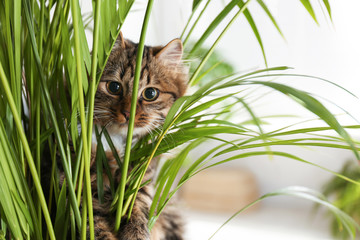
(108, 123)
(156, 130)
(157, 126)
(102, 113)
(78, 112)
(150, 132)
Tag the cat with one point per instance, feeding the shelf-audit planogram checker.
(163, 79)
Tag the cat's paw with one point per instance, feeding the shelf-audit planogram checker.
(134, 231)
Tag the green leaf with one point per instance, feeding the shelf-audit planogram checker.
(6, 203)
(201, 107)
(219, 18)
(100, 159)
(254, 28)
(267, 11)
(122, 9)
(194, 78)
(201, 161)
(328, 8)
(12, 167)
(163, 188)
(310, 142)
(111, 145)
(314, 106)
(195, 22)
(175, 109)
(309, 8)
(44, 136)
(198, 123)
(195, 4)
(23, 213)
(59, 227)
(79, 37)
(185, 135)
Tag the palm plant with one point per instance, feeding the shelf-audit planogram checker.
(345, 195)
(44, 47)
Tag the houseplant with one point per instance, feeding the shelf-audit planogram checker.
(344, 195)
(43, 42)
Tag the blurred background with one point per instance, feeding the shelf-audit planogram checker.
(329, 50)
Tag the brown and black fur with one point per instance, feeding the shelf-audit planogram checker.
(162, 70)
(169, 225)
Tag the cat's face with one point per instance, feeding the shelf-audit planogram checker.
(163, 79)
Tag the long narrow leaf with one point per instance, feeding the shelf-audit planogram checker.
(316, 107)
(132, 117)
(267, 11)
(214, 24)
(254, 28)
(309, 8)
(79, 35)
(328, 8)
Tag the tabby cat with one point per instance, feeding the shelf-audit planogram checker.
(163, 80)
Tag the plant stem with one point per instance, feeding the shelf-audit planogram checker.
(38, 103)
(38, 139)
(134, 98)
(192, 80)
(86, 159)
(16, 82)
(189, 20)
(42, 15)
(17, 43)
(93, 72)
(214, 24)
(195, 23)
(83, 227)
(9, 44)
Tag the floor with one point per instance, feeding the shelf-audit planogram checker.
(262, 223)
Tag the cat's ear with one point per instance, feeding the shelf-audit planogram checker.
(120, 42)
(171, 53)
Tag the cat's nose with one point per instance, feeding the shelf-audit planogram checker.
(126, 115)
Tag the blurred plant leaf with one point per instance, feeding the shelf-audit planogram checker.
(195, 4)
(345, 221)
(309, 8)
(253, 26)
(345, 195)
(314, 106)
(328, 8)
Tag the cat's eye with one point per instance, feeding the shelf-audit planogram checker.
(114, 88)
(150, 94)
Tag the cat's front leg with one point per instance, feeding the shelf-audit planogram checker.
(137, 227)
